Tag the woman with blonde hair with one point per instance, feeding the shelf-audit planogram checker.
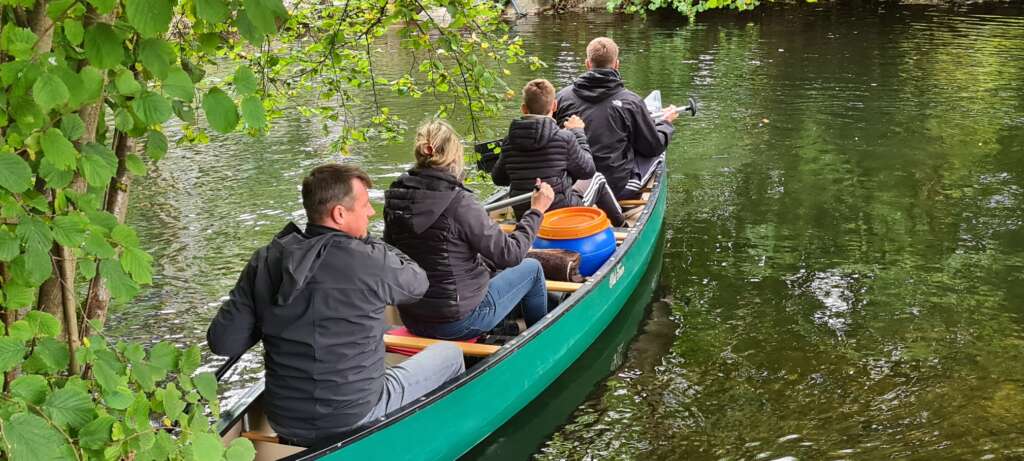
(432, 217)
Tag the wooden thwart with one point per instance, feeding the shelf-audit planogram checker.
(633, 202)
(258, 437)
(413, 342)
(619, 236)
(562, 287)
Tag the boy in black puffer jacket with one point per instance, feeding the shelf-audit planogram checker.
(537, 148)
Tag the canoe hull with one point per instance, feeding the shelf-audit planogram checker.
(460, 418)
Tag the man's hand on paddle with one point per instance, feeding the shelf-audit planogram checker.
(542, 197)
(670, 114)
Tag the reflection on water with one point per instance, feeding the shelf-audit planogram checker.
(844, 256)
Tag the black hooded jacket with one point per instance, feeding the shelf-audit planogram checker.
(436, 220)
(537, 148)
(316, 299)
(618, 125)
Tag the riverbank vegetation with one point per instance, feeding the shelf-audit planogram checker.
(89, 89)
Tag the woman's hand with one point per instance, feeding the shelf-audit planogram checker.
(542, 197)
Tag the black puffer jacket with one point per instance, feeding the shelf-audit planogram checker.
(537, 148)
(316, 299)
(434, 219)
(618, 124)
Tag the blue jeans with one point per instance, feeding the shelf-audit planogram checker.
(517, 285)
(418, 375)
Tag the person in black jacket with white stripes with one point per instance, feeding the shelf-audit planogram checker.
(626, 143)
(536, 148)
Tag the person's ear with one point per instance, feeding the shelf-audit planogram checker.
(616, 66)
(524, 109)
(338, 214)
(554, 107)
(589, 65)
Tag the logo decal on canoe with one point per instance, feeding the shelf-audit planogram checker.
(616, 274)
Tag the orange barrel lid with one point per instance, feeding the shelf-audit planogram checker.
(572, 223)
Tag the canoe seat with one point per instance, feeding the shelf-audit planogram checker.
(402, 341)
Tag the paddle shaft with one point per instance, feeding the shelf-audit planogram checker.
(508, 202)
(691, 108)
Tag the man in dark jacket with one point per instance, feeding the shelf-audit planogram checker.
(536, 148)
(625, 141)
(316, 299)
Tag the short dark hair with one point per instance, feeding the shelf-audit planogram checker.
(330, 185)
(538, 96)
(602, 52)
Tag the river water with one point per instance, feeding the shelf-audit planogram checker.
(844, 244)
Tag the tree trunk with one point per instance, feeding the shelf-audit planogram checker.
(9, 316)
(117, 204)
(67, 278)
(42, 26)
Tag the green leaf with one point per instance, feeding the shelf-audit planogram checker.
(135, 165)
(147, 375)
(157, 56)
(109, 371)
(189, 360)
(43, 324)
(12, 351)
(123, 120)
(263, 14)
(126, 83)
(69, 230)
(245, 80)
(18, 41)
(74, 31)
(18, 296)
(92, 83)
(50, 92)
(35, 233)
(72, 126)
(49, 356)
(240, 449)
(212, 11)
(30, 388)
(207, 447)
(137, 263)
(99, 164)
(152, 108)
(164, 355)
(31, 438)
(21, 331)
(15, 174)
(206, 384)
(118, 398)
(252, 111)
(120, 284)
(149, 17)
(134, 353)
(220, 110)
(59, 151)
(10, 245)
(55, 8)
(124, 235)
(70, 407)
(96, 434)
(103, 47)
(179, 85)
(156, 145)
(33, 267)
(173, 405)
(55, 178)
(137, 414)
(96, 244)
(103, 6)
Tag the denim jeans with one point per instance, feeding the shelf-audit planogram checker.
(417, 376)
(517, 285)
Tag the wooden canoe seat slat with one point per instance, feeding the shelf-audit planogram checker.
(259, 437)
(619, 236)
(562, 287)
(415, 342)
(633, 202)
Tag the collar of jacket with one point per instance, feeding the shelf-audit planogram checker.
(432, 173)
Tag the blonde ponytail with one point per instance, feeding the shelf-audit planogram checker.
(438, 147)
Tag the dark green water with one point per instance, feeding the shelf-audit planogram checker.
(843, 270)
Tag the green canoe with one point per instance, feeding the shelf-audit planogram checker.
(451, 420)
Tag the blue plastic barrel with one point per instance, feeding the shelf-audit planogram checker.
(584, 230)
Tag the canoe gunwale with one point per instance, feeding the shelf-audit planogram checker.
(232, 416)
